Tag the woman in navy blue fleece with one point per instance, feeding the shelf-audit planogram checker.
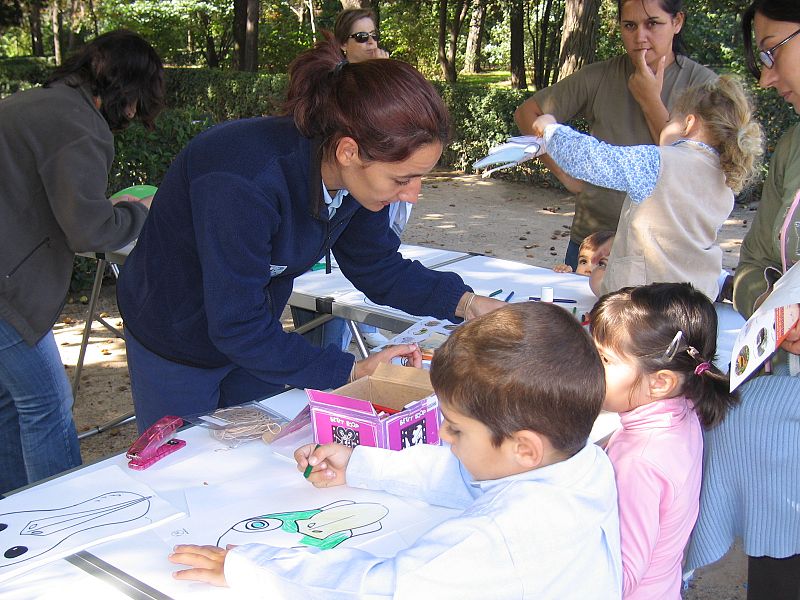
(249, 205)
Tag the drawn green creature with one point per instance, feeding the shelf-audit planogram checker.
(323, 528)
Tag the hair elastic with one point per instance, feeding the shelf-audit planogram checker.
(702, 368)
(339, 66)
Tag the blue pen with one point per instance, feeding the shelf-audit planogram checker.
(496, 293)
(562, 300)
(510, 296)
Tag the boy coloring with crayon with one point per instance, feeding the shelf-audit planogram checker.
(539, 503)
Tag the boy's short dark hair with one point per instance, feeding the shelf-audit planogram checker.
(526, 366)
(594, 240)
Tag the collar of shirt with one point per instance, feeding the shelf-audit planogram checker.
(333, 202)
(659, 414)
(697, 143)
(559, 473)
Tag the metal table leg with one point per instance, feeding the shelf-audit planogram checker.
(87, 330)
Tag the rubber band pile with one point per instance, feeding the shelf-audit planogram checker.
(245, 423)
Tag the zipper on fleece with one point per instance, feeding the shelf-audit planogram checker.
(26, 257)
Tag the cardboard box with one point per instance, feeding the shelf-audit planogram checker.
(347, 415)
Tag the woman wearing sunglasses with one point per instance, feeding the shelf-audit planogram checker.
(356, 32)
(626, 100)
(751, 480)
(252, 204)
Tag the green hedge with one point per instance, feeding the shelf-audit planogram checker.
(225, 95)
(23, 73)
(482, 116)
(197, 98)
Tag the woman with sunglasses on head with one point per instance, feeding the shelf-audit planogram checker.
(252, 204)
(751, 483)
(355, 30)
(626, 100)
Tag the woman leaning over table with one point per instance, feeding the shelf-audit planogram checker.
(751, 483)
(625, 99)
(357, 34)
(249, 205)
(56, 148)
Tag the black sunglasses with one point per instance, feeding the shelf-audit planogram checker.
(362, 37)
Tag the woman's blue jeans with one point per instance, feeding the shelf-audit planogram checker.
(37, 433)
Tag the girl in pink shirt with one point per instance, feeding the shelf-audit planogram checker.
(657, 343)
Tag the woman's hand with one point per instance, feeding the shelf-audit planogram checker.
(368, 365)
(329, 463)
(207, 562)
(146, 201)
(792, 342)
(644, 85)
(471, 306)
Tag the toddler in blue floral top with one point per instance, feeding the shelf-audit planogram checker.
(679, 192)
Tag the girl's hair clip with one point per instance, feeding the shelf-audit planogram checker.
(672, 349)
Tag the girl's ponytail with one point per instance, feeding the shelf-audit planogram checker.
(386, 105)
(708, 388)
(727, 115)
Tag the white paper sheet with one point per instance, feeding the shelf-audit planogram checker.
(54, 520)
(280, 508)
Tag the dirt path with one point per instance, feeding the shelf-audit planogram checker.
(507, 220)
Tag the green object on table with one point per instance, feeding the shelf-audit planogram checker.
(309, 468)
(139, 191)
(318, 266)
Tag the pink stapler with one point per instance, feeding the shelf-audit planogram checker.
(155, 443)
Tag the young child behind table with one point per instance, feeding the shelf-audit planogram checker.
(597, 243)
(539, 504)
(657, 343)
(679, 193)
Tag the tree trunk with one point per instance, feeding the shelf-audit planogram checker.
(540, 47)
(35, 21)
(239, 33)
(579, 36)
(447, 47)
(212, 56)
(251, 37)
(518, 80)
(94, 18)
(472, 58)
(55, 23)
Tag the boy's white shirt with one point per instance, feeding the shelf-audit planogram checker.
(548, 533)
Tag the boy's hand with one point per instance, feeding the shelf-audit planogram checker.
(541, 122)
(207, 563)
(328, 462)
(562, 268)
